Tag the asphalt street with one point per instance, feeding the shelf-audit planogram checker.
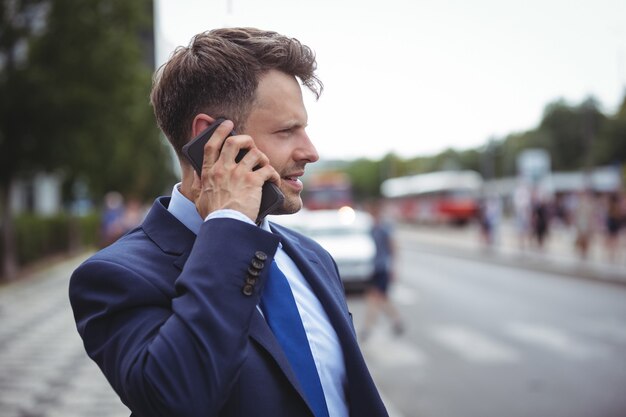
(487, 337)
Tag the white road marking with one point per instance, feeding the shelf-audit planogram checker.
(608, 328)
(472, 345)
(391, 352)
(553, 339)
(402, 294)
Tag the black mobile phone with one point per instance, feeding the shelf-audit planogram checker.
(271, 199)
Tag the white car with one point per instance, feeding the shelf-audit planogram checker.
(345, 234)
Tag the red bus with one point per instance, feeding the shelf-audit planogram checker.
(435, 197)
(328, 190)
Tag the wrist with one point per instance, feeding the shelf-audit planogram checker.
(229, 214)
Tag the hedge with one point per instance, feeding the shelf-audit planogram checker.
(39, 237)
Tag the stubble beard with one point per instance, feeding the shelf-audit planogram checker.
(291, 205)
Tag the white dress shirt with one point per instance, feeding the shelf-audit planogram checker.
(322, 337)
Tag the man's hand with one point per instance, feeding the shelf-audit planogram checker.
(226, 184)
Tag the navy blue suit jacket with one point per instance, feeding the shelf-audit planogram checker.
(162, 312)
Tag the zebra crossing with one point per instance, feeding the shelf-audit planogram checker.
(476, 346)
(511, 341)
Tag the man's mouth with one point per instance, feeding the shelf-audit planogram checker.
(294, 176)
(293, 180)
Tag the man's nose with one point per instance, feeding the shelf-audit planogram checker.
(306, 150)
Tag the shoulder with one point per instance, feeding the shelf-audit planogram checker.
(128, 250)
(134, 260)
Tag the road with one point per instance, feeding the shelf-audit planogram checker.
(482, 339)
(486, 339)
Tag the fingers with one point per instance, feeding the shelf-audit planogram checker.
(227, 152)
(228, 183)
(233, 146)
(257, 161)
(214, 145)
(240, 152)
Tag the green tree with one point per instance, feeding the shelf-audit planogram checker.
(20, 21)
(96, 85)
(570, 133)
(76, 100)
(610, 145)
(365, 177)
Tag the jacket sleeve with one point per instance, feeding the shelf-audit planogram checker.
(177, 354)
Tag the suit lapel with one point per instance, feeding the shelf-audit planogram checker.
(262, 334)
(169, 234)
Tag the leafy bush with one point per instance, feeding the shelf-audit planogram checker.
(39, 237)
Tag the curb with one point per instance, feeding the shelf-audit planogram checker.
(457, 246)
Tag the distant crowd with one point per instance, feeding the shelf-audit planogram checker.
(588, 217)
(119, 216)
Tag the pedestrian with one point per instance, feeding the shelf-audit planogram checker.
(377, 293)
(583, 220)
(613, 224)
(522, 210)
(111, 227)
(539, 219)
(490, 214)
(206, 309)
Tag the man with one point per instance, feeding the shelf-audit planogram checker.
(377, 295)
(178, 313)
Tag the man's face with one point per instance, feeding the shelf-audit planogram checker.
(277, 124)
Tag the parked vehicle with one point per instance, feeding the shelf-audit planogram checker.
(345, 234)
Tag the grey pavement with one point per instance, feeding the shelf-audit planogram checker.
(44, 371)
(558, 255)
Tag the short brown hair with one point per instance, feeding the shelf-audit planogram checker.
(218, 74)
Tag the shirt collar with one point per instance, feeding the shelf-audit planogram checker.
(184, 210)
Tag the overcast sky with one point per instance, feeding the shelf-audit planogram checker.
(415, 77)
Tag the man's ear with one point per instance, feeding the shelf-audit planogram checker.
(200, 123)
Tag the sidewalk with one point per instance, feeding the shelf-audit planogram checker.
(557, 256)
(45, 371)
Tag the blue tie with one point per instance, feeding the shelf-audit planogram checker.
(282, 315)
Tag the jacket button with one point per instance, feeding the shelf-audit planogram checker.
(251, 280)
(256, 264)
(261, 256)
(253, 272)
(247, 289)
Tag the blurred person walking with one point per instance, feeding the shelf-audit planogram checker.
(377, 293)
(539, 219)
(613, 224)
(490, 215)
(522, 210)
(583, 221)
(134, 214)
(111, 222)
